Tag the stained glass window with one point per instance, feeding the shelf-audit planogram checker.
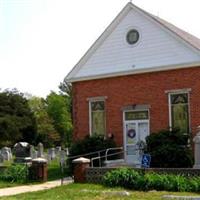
(136, 115)
(180, 112)
(97, 117)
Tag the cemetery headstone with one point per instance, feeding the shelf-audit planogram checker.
(40, 150)
(33, 152)
(67, 151)
(1, 159)
(10, 151)
(51, 154)
(62, 157)
(7, 154)
(58, 150)
(21, 151)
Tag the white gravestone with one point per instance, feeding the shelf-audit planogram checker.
(6, 153)
(1, 159)
(58, 150)
(51, 154)
(62, 157)
(40, 150)
(33, 152)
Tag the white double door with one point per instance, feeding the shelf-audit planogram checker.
(134, 131)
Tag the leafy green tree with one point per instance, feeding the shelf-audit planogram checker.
(47, 134)
(66, 89)
(17, 122)
(58, 110)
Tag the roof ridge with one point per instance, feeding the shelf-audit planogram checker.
(188, 37)
(184, 35)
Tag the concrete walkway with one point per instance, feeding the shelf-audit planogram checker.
(32, 188)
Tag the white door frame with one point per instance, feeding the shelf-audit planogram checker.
(136, 122)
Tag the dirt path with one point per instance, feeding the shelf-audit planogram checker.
(31, 188)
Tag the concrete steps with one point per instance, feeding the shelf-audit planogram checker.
(119, 163)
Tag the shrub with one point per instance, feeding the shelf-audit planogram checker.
(194, 184)
(88, 145)
(123, 177)
(169, 149)
(166, 182)
(91, 144)
(130, 179)
(15, 173)
(153, 181)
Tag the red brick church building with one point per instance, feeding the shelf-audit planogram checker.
(140, 76)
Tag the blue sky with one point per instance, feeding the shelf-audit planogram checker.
(41, 40)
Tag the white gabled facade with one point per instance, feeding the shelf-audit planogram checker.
(157, 49)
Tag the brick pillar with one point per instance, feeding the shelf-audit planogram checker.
(39, 168)
(196, 141)
(80, 165)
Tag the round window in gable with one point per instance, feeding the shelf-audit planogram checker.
(132, 36)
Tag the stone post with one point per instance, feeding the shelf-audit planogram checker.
(80, 165)
(196, 141)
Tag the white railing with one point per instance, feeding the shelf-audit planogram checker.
(111, 149)
(106, 155)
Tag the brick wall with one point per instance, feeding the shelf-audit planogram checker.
(148, 88)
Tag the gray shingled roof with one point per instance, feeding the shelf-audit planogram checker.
(191, 39)
(187, 37)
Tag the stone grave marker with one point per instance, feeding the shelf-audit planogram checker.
(62, 157)
(40, 150)
(1, 159)
(58, 150)
(51, 154)
(21, 151)
(33, 152)
(6, 153)
(67, 151)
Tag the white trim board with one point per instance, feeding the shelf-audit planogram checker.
(132, 72)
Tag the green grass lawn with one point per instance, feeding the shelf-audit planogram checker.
(89, 192)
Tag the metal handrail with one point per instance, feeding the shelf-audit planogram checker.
(99, 154)
(116, 148)
(99, 158)
(86, 154)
